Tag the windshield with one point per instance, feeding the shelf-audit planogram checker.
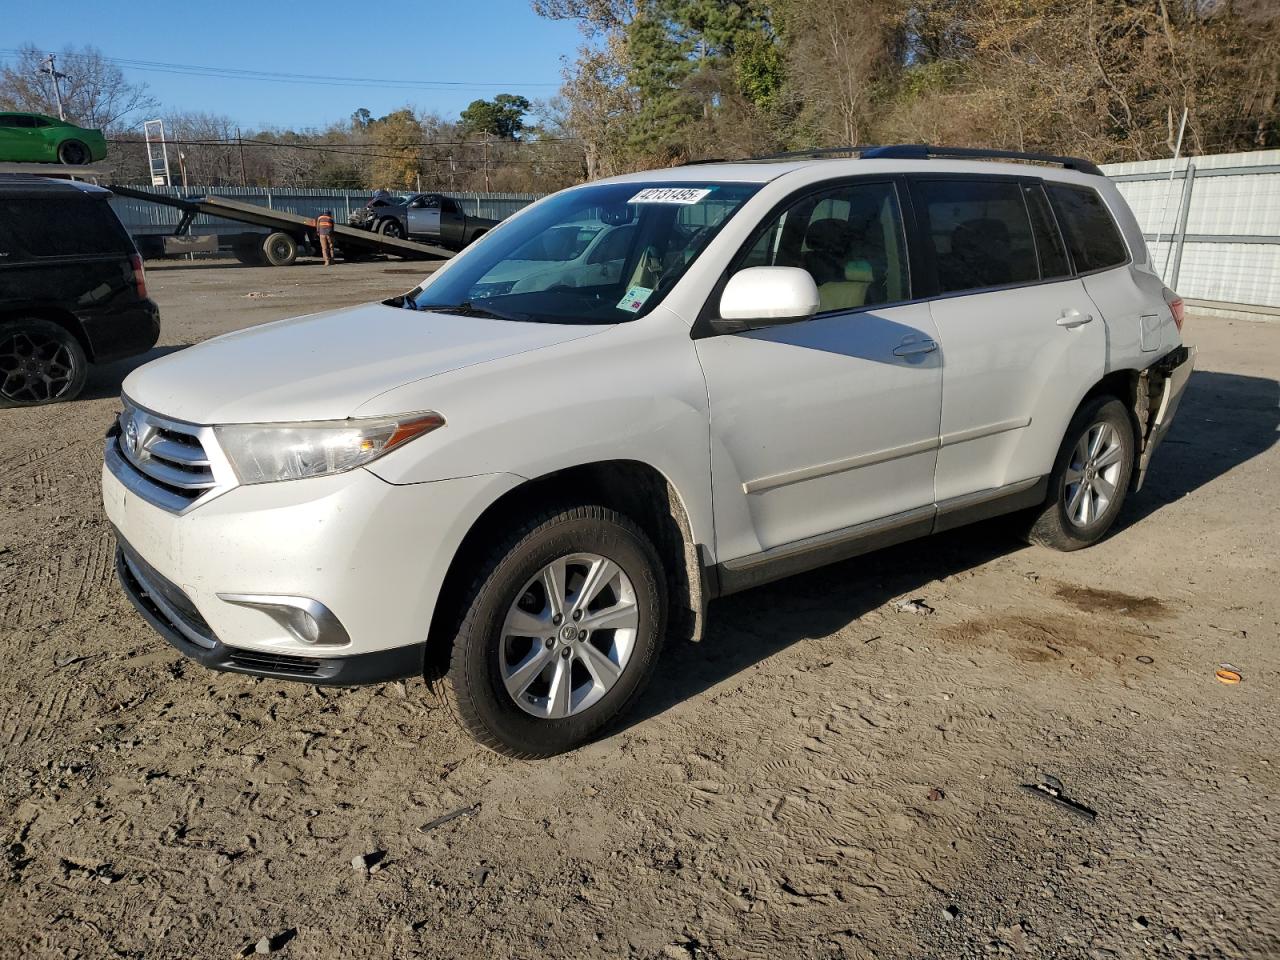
(600, 254)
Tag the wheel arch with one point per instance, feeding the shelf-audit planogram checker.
(636, 489)
(1139, 391)
(63, 318)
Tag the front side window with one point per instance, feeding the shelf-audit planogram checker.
(605, 253)
(850, 240)
(980, 233)
(1092, 237)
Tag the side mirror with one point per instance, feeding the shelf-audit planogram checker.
(766, 296)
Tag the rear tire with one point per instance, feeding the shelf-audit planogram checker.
(551, 689)
(1090, 477)
(40, 362)
(73, 153)
(279, 249)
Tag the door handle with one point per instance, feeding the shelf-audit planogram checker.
(915, 348)
(1074, 318)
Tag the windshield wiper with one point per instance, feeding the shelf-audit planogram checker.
(469, 309)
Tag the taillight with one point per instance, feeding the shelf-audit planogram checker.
(140, 277)
(1176, 307)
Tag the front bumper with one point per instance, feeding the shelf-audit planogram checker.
(162, 606)
(375, 554)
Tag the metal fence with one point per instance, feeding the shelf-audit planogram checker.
(1213, 226)
(141, 217)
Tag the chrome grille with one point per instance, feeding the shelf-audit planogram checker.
(172, 464)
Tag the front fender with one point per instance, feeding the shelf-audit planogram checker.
(633, 392)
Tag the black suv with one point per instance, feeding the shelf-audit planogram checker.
(72, 290)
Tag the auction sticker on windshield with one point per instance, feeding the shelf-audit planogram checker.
(634, 299)
(669, 195)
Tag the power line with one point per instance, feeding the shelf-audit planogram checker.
(273, 76)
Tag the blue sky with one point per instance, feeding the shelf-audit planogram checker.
(478, 47)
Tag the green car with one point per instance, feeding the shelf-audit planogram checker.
(35, 138)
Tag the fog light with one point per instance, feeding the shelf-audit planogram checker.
(305, 627)
(305, 619)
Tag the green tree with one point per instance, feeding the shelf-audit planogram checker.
(398, 138)
(501, 117)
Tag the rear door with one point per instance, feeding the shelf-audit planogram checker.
(1021, 341)
(453, 222)
(1134, 313)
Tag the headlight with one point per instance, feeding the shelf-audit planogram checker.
(264, 452)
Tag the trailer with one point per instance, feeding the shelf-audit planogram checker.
(287, 234)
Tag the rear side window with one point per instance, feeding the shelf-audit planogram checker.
(71, 227)
(1049, 245)
(980, 233)
(1092, 236)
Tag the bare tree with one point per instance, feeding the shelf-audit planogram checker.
(95, 92)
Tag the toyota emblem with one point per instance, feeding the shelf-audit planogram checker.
(131, 436)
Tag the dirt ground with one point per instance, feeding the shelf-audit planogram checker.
(827, 775)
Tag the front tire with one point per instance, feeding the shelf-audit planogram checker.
(1090, 477)
(392, 229)
(73, 153)
(561, 632)
(40, 362)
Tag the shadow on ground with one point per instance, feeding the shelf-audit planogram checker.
(1224, 421)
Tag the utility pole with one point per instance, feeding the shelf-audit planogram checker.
(243, 181)
(47, 65)
(486, 163)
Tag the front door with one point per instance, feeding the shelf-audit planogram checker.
(424, 216)
(822, 425)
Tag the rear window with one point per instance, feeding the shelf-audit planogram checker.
(64, 227)
(980, 233)
(1092, 236)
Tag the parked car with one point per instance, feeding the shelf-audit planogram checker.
(587, 253)
(72, 289)
(523, 494)
(428, 217)
(35, 138)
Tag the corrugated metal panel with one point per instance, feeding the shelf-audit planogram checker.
(1241, 198)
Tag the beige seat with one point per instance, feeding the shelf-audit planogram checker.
(849, 293)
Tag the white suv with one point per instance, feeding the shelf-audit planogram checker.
(521, 492)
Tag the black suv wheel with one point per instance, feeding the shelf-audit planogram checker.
(40, 362)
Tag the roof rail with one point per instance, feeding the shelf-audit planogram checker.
(924, 151)
(816, 153)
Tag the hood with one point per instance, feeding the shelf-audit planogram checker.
(324, 366)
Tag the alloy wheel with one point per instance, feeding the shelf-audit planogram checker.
(34, 368)
(568, 636)
(1093, 474)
